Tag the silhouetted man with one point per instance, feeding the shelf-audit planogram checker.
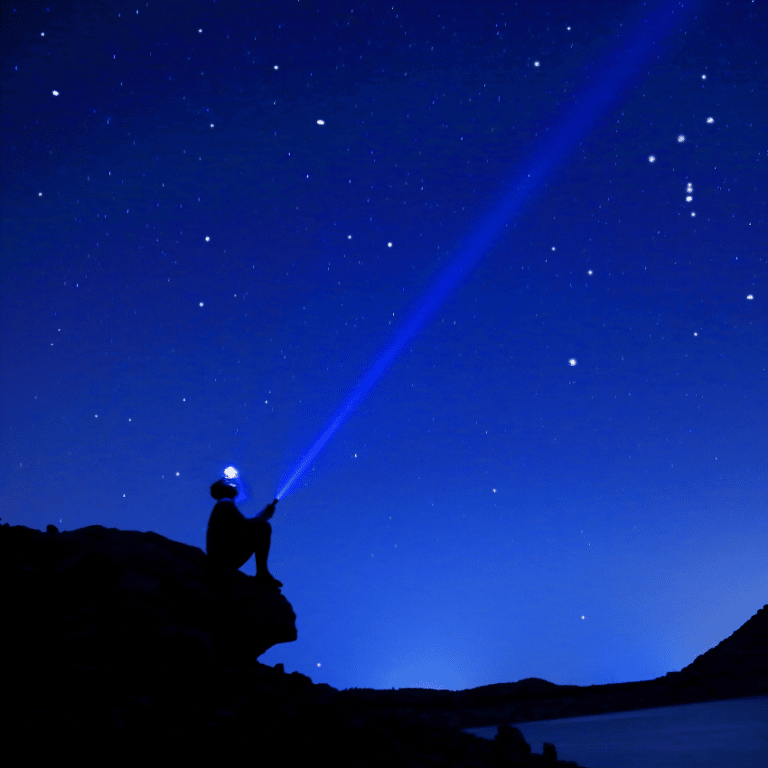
(232, 538)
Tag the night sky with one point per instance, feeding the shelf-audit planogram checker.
(216, 216)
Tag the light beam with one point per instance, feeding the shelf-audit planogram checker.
(615, 70)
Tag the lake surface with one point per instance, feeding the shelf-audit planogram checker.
(715, 734)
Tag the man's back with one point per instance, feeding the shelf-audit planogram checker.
(226, 529)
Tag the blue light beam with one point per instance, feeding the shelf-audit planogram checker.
(616, 70)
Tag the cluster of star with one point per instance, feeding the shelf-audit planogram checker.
(681, 138)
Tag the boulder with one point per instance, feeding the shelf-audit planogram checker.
(511, 746)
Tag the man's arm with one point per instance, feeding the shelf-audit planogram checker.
(267, 512)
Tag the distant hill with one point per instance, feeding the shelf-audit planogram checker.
(736, 668)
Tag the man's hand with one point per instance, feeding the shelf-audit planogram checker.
(268, 511)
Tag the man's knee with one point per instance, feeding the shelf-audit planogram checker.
(260, 530)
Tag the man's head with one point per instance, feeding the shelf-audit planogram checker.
(223, 490)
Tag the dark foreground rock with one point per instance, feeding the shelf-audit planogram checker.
(103, 588)
(121, 646)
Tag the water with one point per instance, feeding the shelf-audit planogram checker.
(716, 734)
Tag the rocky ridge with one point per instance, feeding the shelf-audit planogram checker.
(122, 642)
(120, 646)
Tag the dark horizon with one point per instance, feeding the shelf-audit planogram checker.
(217, 215)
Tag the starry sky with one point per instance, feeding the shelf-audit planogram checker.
(215, 217)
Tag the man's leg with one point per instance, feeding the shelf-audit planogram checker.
(262, 538)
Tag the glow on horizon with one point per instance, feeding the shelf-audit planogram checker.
(618, 67)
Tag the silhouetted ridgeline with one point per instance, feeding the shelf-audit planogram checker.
(736, 668)
(123, 646)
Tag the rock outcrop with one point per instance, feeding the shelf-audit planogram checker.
(103, 591)
(120, 646)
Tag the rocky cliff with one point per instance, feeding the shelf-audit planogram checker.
(123, 646)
